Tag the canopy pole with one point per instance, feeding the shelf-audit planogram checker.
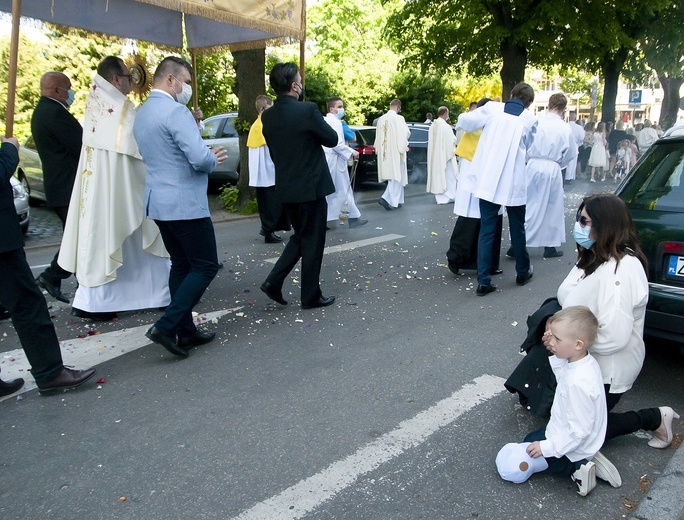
(12, 76)
(193, 63)
(302, 43)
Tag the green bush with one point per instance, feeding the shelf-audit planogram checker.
(228, 197)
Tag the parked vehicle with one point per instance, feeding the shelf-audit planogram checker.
(654, 193)
(219, 130)
(21, 203)
(416, 158)
(367, 168)
(30, 171)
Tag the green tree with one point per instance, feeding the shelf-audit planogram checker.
(663, 47)
(421, 94)
(479, 36)
(216, 83)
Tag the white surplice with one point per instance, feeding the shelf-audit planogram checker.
(391, 145)
(105, 226)
(553, 149)
(442, 167)
(500, 172)
(578, 134)
(337, 158)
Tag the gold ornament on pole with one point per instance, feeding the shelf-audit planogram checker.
(141, 79)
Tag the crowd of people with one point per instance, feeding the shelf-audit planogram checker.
(130, 188)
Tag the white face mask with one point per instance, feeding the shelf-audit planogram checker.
(183, 97)
(340, 113)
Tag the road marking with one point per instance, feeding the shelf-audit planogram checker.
(89, 351)
(351, 245)
(305, 496)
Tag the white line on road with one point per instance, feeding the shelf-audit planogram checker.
(90, 350)
(351, 245)
(305, 496)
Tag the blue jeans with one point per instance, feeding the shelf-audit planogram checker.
(194, 263)
(516, 222)
(557, 466)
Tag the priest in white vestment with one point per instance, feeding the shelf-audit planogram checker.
(337, 159)
(118, 256)
(391, 145)
(553, 149)
(442, 167)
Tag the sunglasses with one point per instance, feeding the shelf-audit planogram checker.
(583, 221)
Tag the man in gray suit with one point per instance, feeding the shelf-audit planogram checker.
(177, 164)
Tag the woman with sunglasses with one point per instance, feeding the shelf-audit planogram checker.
(610, 278)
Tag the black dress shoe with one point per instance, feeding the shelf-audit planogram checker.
(496, 271)
(323, 301)
(552, 252)
(9, 387)
(483, 290)
(453, 267)
(522, 280)
(385, 204)
(66, 379)
(52, 289)
(166, 340)
(197, 338)
(272, 238)
(510, 253)
(4, 314)
(357, 222)
(273, 293)
(95, 316)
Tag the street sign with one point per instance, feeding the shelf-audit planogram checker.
(635, 98)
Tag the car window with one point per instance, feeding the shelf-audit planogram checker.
(418, 135)
(367, 135)
(229, 129)
(657, 182)
(211, 127)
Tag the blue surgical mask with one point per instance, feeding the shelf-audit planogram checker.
(70, 96)
(581, 235)
(340, 113)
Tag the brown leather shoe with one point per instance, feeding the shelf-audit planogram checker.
(9, 387)
(67, 379)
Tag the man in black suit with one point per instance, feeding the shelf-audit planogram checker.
(22, 298)
(295, 133)
(58, 138)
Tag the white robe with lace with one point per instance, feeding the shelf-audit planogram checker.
(118, 256)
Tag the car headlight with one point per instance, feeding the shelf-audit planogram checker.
(19, 191)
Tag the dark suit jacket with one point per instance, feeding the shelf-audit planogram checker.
(294, 132)
(11, 237)
(58, 138)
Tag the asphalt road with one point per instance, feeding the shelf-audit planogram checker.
(387, 405)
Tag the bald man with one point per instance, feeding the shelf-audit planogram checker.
(58, 138)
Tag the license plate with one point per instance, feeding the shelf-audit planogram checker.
(676, 266)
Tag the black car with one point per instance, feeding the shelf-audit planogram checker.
(367, 167)
(416, 157)
(654, 194)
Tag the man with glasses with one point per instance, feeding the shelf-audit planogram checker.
(118, 256)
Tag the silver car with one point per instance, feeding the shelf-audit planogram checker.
(30, 171)
(21, 203)
(219, 131)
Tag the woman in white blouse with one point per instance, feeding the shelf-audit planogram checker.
(610, 278)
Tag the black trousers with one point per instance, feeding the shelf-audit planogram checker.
(463, 243)
(54, 273)
(21, 296)
(194, 263)
(271, 212)
(308, 242)
(648, 419)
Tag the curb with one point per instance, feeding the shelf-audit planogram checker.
(665, 499)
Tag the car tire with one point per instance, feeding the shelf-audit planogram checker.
(25, 228)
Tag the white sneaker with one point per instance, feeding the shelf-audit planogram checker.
(585, 478)
(605, 470)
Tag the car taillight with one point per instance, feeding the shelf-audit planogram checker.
(674, 248)
(366, 150)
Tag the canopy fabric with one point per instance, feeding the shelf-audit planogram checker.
(208, 23)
